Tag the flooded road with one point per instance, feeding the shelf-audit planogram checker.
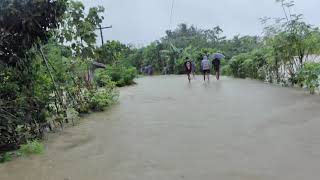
(165, 129)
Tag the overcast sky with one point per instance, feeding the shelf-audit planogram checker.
(142, 21)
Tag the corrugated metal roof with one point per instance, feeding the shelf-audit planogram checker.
(97, 64)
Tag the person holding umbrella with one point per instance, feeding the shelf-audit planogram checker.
(216, 63)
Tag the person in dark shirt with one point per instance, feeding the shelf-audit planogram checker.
(188, 68)
(216, 65)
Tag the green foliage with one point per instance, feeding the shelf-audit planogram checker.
(115, 55)
(68, 73)
(249, 65)
(111, 52)
(179, 66)
(32, 147)
(237, 66)
(73, 115)
(24, 26)
(289, 41)
(184, 36)
(282, 53)
(226, 70)
(103, 97)
(102, 77)
(78, 28)
(309, 76)
(151, 55)
(30, 22)
(5, 157)
(167, 55)
(120, 74)
(134, 59)
(43, 81)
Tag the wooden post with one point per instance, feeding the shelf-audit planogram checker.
(101, 34)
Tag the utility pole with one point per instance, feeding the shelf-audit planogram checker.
(284, 10)
(101, 34)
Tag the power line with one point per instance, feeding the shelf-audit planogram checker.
(171, 15)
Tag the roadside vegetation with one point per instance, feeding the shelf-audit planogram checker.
(48, 54)
(287, 53)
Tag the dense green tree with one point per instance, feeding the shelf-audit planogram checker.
(78, 29)
(111, 52)
(25, 23)
(24, 26)
(46, 49)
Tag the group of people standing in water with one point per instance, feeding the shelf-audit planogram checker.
(206, 65)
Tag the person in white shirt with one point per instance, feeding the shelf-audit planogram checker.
(205, 67)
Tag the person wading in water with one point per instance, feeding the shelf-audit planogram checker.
(188, 68)
(216, 63)
(205, 67)
(216, 66)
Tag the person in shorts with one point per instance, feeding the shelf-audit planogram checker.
(205, 67)
(188, 68)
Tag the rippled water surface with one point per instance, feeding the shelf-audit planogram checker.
(166, 129)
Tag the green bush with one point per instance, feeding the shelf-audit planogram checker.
(73, 115)
(102, 77)
(32, 147)
(262, 73)
(179, 66)
(309, 76)
(121, 75)
(129, 75)
(101, 98)
(249, 65)
(226, 70)
(5, 157)
(237, 66)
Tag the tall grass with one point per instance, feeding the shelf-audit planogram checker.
(32, 147)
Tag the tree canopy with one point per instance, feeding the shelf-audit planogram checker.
(24, 23)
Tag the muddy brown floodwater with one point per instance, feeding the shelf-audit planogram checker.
(166, 129)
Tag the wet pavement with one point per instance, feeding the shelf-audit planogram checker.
(166, 129)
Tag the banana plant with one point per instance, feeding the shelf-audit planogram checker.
(172, 55)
